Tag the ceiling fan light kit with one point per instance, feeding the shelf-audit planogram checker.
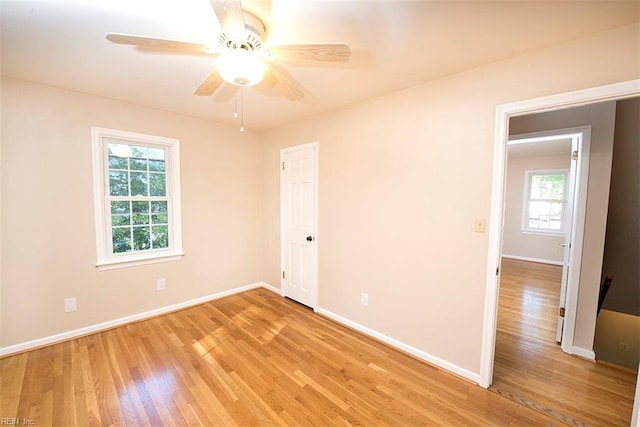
(241, 67)
(243, 59)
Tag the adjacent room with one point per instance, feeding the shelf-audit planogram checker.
(284, 212)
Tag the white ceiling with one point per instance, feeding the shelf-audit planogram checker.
(396, 44)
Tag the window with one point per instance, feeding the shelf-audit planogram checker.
(544, 201)
(137, 198)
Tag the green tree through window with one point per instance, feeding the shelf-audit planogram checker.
(138, 189)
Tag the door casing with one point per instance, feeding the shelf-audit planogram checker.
(611, 92)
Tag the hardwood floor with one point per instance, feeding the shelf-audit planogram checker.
(529, 365)
(249, 359)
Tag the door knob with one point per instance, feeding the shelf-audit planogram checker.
(309, 238)
(561, 245)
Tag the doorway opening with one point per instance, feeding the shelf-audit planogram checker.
(545, 204)
(503, 115)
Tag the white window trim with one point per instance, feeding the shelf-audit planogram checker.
(105, 259)
(525, 202)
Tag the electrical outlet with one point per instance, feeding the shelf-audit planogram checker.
(70, 304)
(161, 285)
(364, 300)
(623, 346)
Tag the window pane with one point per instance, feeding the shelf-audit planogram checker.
(120, 207)
(157, 184)
(118, 184)
(139, 152)
(141, 241)
(547, 186)
(138, 164)
(120, 150)
(140, 207)
(140, 219)
(121, 239)
(555, 209)
(156, 153)
(139, 184)
(156, 165)
(555, 216)
(159, 219)
(117, 162)
(117, 220)
(140, 213)
(537, 209)
(545, 215)
(160, 236)
(159, 207)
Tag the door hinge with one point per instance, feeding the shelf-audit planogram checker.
(561, 312)
(497, 270)
(283, 274)
(282, 165)
(575, 155)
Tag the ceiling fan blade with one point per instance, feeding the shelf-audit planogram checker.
(210, 84)
(336, 52)
(285, 86)
(230, 16)
(149, 42)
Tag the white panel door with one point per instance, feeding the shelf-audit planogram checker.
(298, 220)
(568, 239)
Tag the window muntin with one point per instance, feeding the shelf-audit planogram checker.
(544, 201)
(136, 180)
(137, 197)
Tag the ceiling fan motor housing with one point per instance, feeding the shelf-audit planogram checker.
(240, 63)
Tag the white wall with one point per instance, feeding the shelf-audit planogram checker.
(519, 244)
(48, 236)
(402, 178)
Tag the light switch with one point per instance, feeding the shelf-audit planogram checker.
(480, 225)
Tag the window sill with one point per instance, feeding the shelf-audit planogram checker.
(114, 264)
(544, 233)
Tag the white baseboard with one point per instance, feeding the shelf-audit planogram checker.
(29, 345)
(539, 260)
(583, 352)
(472, 376)
(271, 288)
(53, 339)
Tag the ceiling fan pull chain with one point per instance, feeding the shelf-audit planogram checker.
(241, 109)
(235, 111)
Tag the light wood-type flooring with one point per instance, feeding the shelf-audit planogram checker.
(249, 359)
(530, 366)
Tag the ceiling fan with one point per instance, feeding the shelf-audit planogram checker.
(243, 57)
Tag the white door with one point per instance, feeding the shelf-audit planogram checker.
(298, 210)
(571, 194)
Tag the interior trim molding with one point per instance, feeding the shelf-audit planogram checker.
(271, 288)
(429, 358)
(92, 329)
(583, 352)
(538, 260)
